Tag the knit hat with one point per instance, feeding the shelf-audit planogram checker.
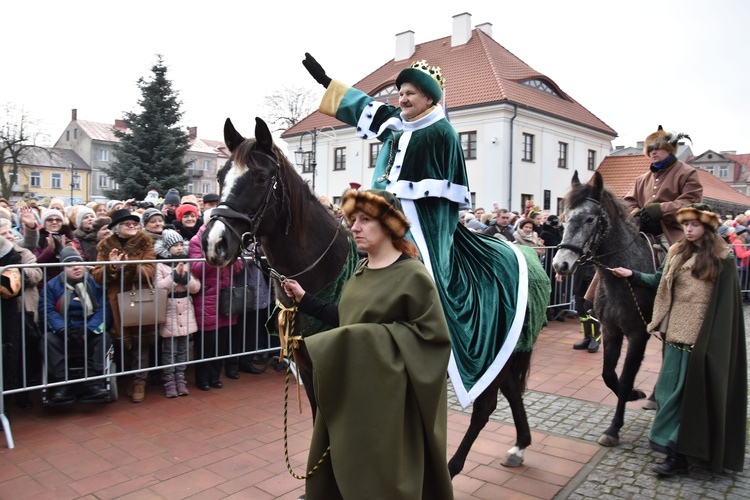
(700, 212)
(428, 78)
(663, 140)
(183, 209)
(379, 204)
(51, 212)
(111, 204)
(172, 197)
(740, 229)
(100, 223)
(170, 237)
(553, 220)
(70, 254)
(189, 198)
(148, 214)
(81, 213)
(723, 231)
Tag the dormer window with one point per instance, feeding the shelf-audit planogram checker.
(386, 93)
(541, 85)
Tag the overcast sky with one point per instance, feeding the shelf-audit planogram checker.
(635, 64)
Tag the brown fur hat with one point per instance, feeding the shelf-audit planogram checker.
(700, 212)
(379, 204)
(663, 140)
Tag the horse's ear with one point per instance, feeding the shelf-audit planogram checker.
(232, 138)
(598, 182)
(263, 135)
(575, 181)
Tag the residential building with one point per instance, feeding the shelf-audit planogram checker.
(51, 173)
(523, 136)
(94, 143)
(727, 166)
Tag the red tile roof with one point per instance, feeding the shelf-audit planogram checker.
(98, 131)
(480, 72)
(619, 174)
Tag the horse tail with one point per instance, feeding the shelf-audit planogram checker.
(519, 367)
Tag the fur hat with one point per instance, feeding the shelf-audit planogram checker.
(379, 204)
(663, 140)
(51, 212)
(81, 213)
(100, 223)
(148, 214)
(700, 212)
(428, 78)
(172, 197)
(170, 237)
(183, 209)
(70, 254)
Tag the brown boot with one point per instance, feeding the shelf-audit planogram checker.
(139, 391)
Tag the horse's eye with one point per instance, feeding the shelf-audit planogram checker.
(589, 220)
(262, 179)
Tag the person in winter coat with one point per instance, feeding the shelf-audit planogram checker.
(125, 243)
(525, 235)
(181, 284)
(53, 237)
(76, 313)
(85, 237)
(214, 328)
(701, 393)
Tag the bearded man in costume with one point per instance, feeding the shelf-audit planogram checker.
(422, 163)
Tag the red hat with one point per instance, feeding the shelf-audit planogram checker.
(185, 208)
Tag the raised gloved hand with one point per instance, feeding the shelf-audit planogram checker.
(316, 70)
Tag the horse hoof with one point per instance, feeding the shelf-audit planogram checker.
(609, 441)
(512, 460)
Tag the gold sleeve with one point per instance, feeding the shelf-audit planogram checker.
(332, 98)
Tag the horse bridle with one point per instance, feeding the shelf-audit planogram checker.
(226, 210)
(601, 230)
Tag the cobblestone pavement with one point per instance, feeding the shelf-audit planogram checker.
(622, 471)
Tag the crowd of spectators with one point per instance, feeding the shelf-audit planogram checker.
(51, 311)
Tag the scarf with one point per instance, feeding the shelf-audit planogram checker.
(667, 162)
(84, 294)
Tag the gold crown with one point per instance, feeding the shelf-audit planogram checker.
(433, 71)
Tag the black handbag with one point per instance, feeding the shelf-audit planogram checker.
(236, 300)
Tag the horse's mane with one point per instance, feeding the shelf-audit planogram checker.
(611, 205)
(296, 188)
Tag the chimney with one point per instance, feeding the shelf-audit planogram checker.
(461, 29)
(74, 114)
(486, 28)
(121, 125)
(192, 132)
(618, 148)
(639, 144)
(732, 152)
(404, 45)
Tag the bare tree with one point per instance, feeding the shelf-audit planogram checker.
(18, 138)
(285, 107)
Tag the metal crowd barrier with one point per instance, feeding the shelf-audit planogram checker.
(29, 347)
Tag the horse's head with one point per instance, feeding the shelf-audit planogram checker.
(253, 197)
(586, 222)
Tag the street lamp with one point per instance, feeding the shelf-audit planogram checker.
(72, 181)
(300, 155)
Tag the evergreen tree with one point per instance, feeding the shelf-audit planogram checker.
(151, 155)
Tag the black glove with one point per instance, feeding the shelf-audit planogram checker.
(316, 70)
(650, 218)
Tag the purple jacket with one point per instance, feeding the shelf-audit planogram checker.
(206, 301)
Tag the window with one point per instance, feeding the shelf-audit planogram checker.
(710, 169)
(528, 147)
(560, 206)
(75, 133)
(35, 179)
(541, 85)
(205, 188)
(76, 181)
(104, 155)
(307, 163)
(723, 171)
(469, 144)
(374, 152)
(191, 167)
(206, 165)
(592, 159)
(562, 156)
(103, 181)
(67, 135)
(339, 159)
(56, 181)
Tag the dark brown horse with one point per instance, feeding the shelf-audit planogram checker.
(263, 196)
(597, 230)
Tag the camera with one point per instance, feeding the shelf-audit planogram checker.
(142, 204)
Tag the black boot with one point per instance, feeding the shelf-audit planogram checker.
(584, 344)
(596, 336)
(62, 395)
(673, 465)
